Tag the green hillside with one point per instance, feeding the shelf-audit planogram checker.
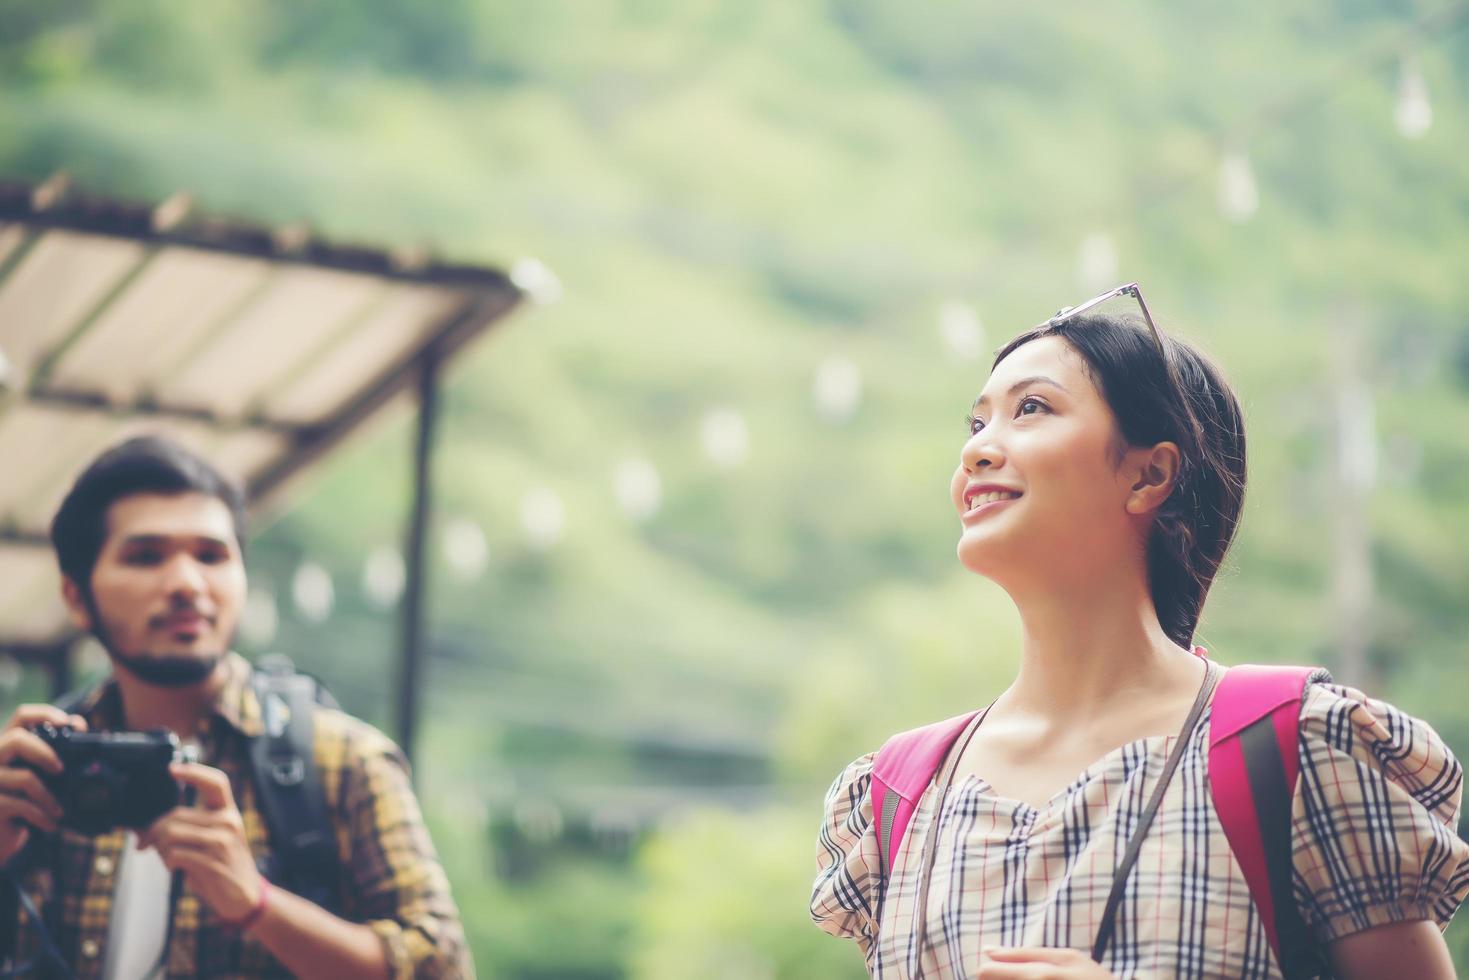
(627, 733)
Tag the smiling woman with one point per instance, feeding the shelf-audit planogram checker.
(1071, 828)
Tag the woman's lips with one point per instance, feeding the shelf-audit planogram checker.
(980, 510)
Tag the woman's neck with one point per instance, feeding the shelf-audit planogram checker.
(1094, 646)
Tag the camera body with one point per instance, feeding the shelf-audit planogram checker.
(112, 779)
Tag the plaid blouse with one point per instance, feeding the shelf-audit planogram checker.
(391, 878)
(1373, 842)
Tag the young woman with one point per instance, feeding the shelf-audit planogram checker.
(1100, 486)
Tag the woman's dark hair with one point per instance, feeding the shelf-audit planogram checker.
(1197, 522)
(145, 464)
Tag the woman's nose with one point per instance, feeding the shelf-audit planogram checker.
(981, 452)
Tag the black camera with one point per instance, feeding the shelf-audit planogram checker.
(112, 779)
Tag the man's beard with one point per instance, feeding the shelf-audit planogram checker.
(172, 670)
(169, 669)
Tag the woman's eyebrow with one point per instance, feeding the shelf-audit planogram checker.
(1023, 383)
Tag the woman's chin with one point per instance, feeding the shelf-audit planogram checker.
(980, 553)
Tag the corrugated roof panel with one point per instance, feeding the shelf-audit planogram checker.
(182, 293)
(10, 238)
(406, 318)
(58, 283)
(44, 440)
(30, 604)
(59, 443)
(300, 310)
(243, 453)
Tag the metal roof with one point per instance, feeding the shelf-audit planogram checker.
(261, 348)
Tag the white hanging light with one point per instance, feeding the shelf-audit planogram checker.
(837, 389)
(1412, 113)
(1096, 262)
(1239, 197)
(638, 489)
(383, 577)
(961, 331)
(725, 437)
(259, 618)
(312, 592)
(543, 517)
(534, 278)
(465, 549)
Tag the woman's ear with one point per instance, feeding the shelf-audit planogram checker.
(1153, 470)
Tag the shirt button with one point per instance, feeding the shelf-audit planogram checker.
(104, 865)
(90, 949)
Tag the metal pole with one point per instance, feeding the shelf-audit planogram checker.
(410, 672)
(1356, 471)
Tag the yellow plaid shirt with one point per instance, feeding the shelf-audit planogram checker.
(391, 878)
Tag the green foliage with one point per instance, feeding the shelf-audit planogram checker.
(732, 192)
(719, 903)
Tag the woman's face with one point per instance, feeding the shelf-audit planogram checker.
(1039, 490)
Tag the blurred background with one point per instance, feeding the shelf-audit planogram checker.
(691, 549)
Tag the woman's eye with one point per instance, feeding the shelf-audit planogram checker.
(974, 424)
(1028, 404)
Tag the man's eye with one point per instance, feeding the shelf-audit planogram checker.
(143, 557)
(214, 556)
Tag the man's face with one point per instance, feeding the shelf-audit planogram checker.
(168, 585)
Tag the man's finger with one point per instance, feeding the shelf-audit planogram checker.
(178, 834)
(31, 715)
(15, 808)
(24, 783)
(213, 785)
(17, 745)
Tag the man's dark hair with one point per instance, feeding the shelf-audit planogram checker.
(144, 464)
(1197, 522)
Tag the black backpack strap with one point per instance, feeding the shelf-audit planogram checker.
(72, 700)
(303, 839)
(1299, 955)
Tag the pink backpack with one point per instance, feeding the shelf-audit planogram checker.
(1253, 768)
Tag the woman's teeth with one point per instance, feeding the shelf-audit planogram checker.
(993, 495)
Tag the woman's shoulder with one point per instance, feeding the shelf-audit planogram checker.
(1374, 816)
(1338, 722)
(852, 782)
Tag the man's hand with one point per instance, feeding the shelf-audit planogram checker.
(1039, 963)
(25, 801)
(207, 843)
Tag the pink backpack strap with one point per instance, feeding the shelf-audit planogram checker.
(1254, 765)
(902, 770)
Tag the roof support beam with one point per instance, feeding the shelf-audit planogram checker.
(414, 652)
(98, 402)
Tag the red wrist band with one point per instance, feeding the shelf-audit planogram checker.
(251, 917)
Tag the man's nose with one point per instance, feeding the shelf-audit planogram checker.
(184, 576)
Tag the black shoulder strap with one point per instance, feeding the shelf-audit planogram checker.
(72, 700)
(283, 762)
(1299, 954)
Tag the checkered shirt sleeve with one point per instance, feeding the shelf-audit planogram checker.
(397, 885)
(848, 862)
(1374, 817)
